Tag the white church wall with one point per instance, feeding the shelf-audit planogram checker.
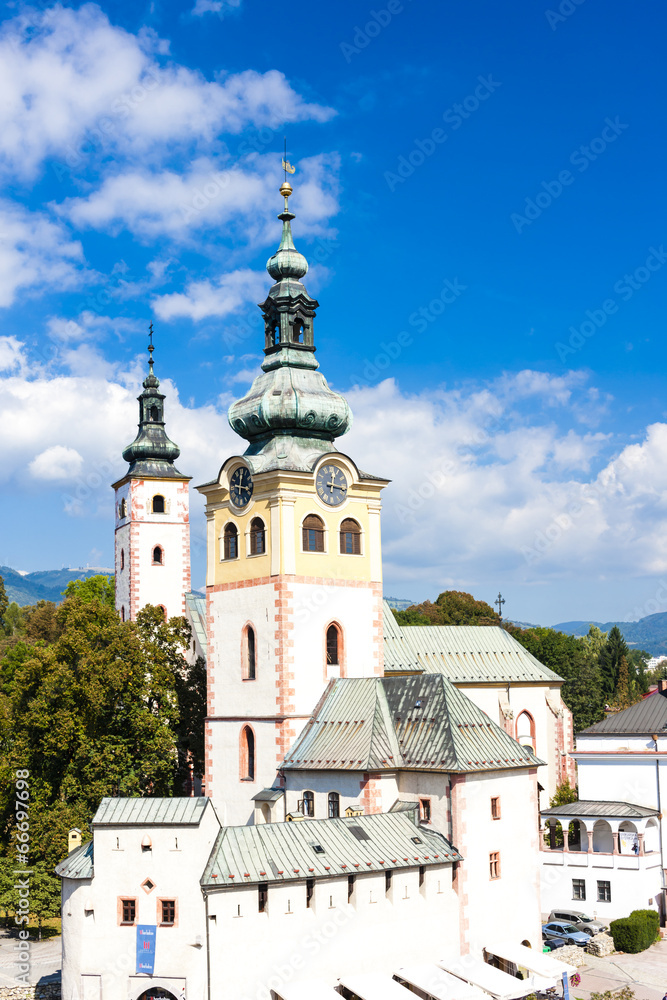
(232, 793)
(416, 785)
(508, 906)
(634, 882)
(376, 932)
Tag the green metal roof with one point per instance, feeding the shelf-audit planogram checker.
(150, 812)
(419, 722)
(463, 653)
(285, 852)
(78, 863)
(598, 808)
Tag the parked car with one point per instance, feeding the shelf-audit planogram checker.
(580, 920)
(568, 932)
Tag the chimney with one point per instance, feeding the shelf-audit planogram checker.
(662, 686)
(73, 840)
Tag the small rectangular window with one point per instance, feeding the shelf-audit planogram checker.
(128, 911)
(310, 889)
(425, 810)
(578, 888)
(387, 880)
(422, 873)
(168, 911)
(495, 807)
(262, 896)
(604, 892)
(494, 864)
(350, 887)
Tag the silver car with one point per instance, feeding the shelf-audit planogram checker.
(580, 920)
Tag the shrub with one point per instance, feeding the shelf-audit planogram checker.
(636, 932)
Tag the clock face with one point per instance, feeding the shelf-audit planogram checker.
(241, 487)
(331, 485)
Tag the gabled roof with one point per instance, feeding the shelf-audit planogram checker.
(284, 852)
(463, 653)
(78, 864)
(646, 717)
(594, 808)
(419, 722)
(150, 812)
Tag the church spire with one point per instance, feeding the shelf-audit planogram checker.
(152, 454)
(290, 416)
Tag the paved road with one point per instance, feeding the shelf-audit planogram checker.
(645, 974)
(44, 961)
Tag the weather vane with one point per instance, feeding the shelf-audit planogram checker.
(500, 600)
(150, 344)
(287, 166)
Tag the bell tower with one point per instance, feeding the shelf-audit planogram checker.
(152, 541)
(294, 569)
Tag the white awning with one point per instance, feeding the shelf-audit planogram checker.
(437, 983)
(478, 972)
(534, 961)
(369, 987)
(307, 989)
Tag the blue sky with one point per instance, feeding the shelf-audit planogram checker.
(480, 193)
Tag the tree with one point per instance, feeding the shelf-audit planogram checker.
(4, 604)
(563, 795)
(452, 607)
(14, 620)
(44, 894)
(94, 588)
(609, 661)
(40, 622)
(94, 713)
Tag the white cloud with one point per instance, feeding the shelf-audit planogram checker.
(204, 298)
(88, 325)
(35, 253)
(56, 462)
(73, 84)
(213, 6)
(242, 198)
(11, 354)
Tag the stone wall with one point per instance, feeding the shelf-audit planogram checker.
(50, 991)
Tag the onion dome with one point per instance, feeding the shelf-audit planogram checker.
(290, 416)
(152, 454)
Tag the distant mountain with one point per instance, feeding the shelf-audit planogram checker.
(43, 585)
(648, 633)
(399, 603)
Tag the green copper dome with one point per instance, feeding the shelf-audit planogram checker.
(152, 454)
(290, 416)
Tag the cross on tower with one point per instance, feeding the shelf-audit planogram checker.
(500, 600)
(150, 345)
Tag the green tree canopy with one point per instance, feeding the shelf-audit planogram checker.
(4, 604)
(609, 661)
(452, 607)
(95, 588)
(95, 712)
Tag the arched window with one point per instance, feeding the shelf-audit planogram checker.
(122, 559)
(313, 534)
(308, 804)
(350, 537)
(158, 504)
(153, 413)
(231, 542)
(157, 556)
(333, 644)
(122, 510)
(247, 755)
(297, 331)
(334, 805)
(122, 613)
(525, 730)
(257, 537)
(249, 653)
(163, 610)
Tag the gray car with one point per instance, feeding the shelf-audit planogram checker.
(579, 919)
(566, 932)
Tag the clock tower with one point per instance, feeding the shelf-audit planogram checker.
(294, 569)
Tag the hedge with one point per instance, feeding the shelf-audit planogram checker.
(636, 932)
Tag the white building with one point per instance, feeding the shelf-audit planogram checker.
(613, 861)
(356, 823)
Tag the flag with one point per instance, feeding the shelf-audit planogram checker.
(288, 167)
